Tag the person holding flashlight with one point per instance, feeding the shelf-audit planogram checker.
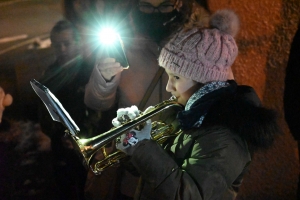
(153, 22)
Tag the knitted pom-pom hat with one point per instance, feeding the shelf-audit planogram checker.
(204, 54)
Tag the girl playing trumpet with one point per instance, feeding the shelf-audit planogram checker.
(222, 122)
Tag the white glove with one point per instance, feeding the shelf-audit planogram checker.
(133, 137)
(123, 114)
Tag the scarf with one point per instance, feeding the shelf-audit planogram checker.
(200, 102)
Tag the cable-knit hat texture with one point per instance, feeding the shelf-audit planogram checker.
(204, 54)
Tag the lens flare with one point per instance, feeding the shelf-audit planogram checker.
(108, 36)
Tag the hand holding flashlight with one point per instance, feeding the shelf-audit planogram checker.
(113, 46)
(115, 58)
(108, 67)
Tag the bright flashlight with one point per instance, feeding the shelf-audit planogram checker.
(114, 45)
(108, 36)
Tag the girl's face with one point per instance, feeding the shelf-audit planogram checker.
(180, 87)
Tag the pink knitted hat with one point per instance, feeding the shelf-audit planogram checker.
(204, 55)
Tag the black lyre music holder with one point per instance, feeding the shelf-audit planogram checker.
(55, 108)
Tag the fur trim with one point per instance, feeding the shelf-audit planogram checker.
(226, 21)
(256, 124)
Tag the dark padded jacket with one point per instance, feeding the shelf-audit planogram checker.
(208, 162)
(291, 98)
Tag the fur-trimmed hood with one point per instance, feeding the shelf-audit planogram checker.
(243, 113)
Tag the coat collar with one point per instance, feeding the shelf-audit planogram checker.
(200, 102)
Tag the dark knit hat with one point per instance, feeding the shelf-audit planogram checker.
(204, 54)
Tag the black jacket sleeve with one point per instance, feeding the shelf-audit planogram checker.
(291, 97)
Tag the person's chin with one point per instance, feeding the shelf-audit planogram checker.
(179, 100)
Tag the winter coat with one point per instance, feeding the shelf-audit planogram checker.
(207, 162)
(291, 98)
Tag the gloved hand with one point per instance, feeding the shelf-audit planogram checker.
(124, 114)
(130, 139)
(108, 67)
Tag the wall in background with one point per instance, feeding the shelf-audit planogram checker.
(267, 30)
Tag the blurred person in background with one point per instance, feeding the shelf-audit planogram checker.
(291, 98)
(66, 79)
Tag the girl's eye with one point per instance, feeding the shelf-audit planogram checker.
(176, 77)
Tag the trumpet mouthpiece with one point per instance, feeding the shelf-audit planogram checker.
(173, 98)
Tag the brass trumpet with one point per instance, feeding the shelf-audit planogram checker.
(164, 128)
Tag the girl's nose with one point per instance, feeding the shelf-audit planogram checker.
(169, 87)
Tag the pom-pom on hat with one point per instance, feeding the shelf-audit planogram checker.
(204, 54)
